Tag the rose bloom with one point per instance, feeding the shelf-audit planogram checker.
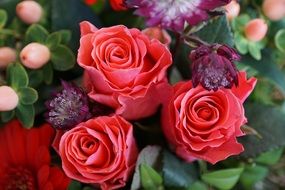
(124, 69)
(25, 161)
(201, 124)
(101, 151)
(158, 33)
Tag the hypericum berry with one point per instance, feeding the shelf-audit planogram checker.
(232, 10)
(7, 56)
(256, 29)
(29, 12)
(8, 98)
(35, 55)
(213, 67)
(274, 9)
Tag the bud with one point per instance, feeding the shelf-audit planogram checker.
(256, 29)
(68, 107)
(159, 34)
(7, 56)
(29, 12)
(274, 9)
(35, 55)
(213, 67)
(118, 5)
(8, 98)
(232, 10)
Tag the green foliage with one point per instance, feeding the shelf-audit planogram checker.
(27, 95)
(268, 121)
(7, 116)
(223, 179)
(17, 76)
(270, 157)
(62, 58)
(280, 40)
(36, 33)
(26, 114)
(217, 30)
(252, 174)
(53, 40)
(150, 179)
(176, 173)
(74, 185)
(150, 156)
(198, 185)
(3, 18)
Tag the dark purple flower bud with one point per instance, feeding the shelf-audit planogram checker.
(213, 66)
(173, 14)
(68, 108)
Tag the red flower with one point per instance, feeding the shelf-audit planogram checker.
(90, 2)
(25, 159)
(100, 151)
(118, 5)
(124, 69)
(201, 124)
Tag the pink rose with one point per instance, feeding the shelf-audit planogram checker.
(124, 69)
(201, 124)
(101, 151)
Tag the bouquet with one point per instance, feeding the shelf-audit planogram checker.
(142, 94)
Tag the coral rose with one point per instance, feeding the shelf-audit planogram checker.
(124, 69)
(101, 151)
(201, 124)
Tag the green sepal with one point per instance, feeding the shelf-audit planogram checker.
(150, 179)
(26, 114)
(3, 18)
(62, 58)
(27, 95)
(17, 76)
(254, 50)
(65, 36)
(53, 40)
(241, 43)
(223, 179)
(36, 33)
(270, 157)
(7, 115)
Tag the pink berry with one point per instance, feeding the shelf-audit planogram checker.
(29, 12)
(232, 10)
(255, 30)
(8, 98)
(7, 56)
(35, 55)
(274, 9)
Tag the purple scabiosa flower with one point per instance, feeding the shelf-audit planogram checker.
(68, 108)
(172, 14)
(213, 66)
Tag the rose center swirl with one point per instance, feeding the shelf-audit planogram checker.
(19, 178)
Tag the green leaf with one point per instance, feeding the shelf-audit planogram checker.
(252, 174)
(239, 22)
(267, 68)
(175, 75)
(254, 51)
(47, 73)
(150, 156)
(17, 76)
(3, 18)
(26, 114)
(7, 116)
(36, 33)
(268, 121)
(280, 40)
(35, 78)
(271, 157)
(53, 40)
(74, 185)
(65, 36)
(27, 95)
(62, 58)
(176, 173)
(150, 179)
(241, 43)
(223, 179)
(217, 31)
(198, 185)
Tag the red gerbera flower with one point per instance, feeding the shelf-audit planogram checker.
(25, 159)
